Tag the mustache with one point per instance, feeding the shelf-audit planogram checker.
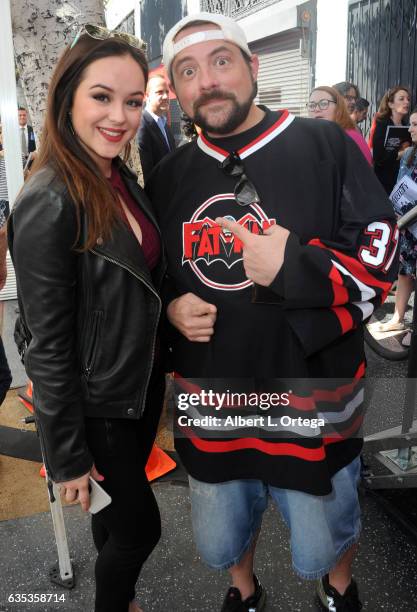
(215, 94)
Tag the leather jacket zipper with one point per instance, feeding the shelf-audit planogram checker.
(93, 344)
(145, 282)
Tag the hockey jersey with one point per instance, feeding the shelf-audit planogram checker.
(303, 334)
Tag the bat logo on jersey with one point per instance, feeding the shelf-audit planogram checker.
(211, 252)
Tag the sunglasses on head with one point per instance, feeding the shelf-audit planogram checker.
(100, 33)
(245, 191)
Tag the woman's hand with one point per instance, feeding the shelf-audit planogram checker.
(71, 490)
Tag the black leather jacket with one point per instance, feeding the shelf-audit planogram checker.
(92, 317)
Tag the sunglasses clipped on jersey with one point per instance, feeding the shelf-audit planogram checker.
(245, 191)
(101, 33)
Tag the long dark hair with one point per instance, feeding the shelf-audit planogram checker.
(60, 147)
(384, 110)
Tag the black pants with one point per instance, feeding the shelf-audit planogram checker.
(126, 531)
(5, 375)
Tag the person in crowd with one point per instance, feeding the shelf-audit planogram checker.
(89, 306)
(393, 110)
(269, 276)
(350, 93)
(326, 103)
(408, 245)
(188, 129)
(4, 196)
(27, 136)
(155, 137)
(5, 374)
(360, 113)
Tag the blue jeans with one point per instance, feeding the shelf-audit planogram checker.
(227, 516)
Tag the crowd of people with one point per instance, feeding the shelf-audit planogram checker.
(227, 270)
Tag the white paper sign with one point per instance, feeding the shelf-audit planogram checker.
(404, 198)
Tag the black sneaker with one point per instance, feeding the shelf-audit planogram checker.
(255, 603)
(330, 599)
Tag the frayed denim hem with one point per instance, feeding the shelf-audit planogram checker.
(236, 560)
(322, 572)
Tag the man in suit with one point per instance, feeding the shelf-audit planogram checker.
(27, 136)
(155, 137)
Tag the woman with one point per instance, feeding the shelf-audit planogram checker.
(88, 261)
(408, 244)
(327, 103)
(393, 110)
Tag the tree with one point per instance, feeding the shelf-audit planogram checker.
(41, 30)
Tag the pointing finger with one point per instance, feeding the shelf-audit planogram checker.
(238, 230)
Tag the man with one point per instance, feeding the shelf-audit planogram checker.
(276, 254)
(350, 92)
(360, 112)
(27, 136)
(155, 137)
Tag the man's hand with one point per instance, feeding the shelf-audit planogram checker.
(263, 255)
(75, 489)
(193, 317)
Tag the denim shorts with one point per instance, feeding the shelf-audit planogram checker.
(227, 516)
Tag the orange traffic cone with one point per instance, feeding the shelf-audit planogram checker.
(26, 396)
(159, 463)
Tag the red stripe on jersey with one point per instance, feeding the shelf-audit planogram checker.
(384, 296)
(322, 395)
(296, 401)
(345, 318)
(269, 448)
(354, 266)
(213, 146)
(282, 118)
(273, 127)
(341, 294)
(354, 428)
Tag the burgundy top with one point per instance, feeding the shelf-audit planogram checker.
(151, 244)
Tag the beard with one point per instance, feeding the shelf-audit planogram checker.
(232, 119)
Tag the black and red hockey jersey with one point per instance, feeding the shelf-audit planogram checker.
(340, 261)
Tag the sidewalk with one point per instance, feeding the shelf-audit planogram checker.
(174, 580)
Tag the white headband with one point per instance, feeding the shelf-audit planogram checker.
(197, 37)
(226, 29)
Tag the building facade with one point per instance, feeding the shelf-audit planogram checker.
(281, 32)
(382, 47)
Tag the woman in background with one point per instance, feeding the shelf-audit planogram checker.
(408, 244)
(393, 110)
(327, 103)
(87, 255)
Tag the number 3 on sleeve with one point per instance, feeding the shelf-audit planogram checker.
(377, 254)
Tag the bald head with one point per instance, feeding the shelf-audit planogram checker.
(157, 95)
